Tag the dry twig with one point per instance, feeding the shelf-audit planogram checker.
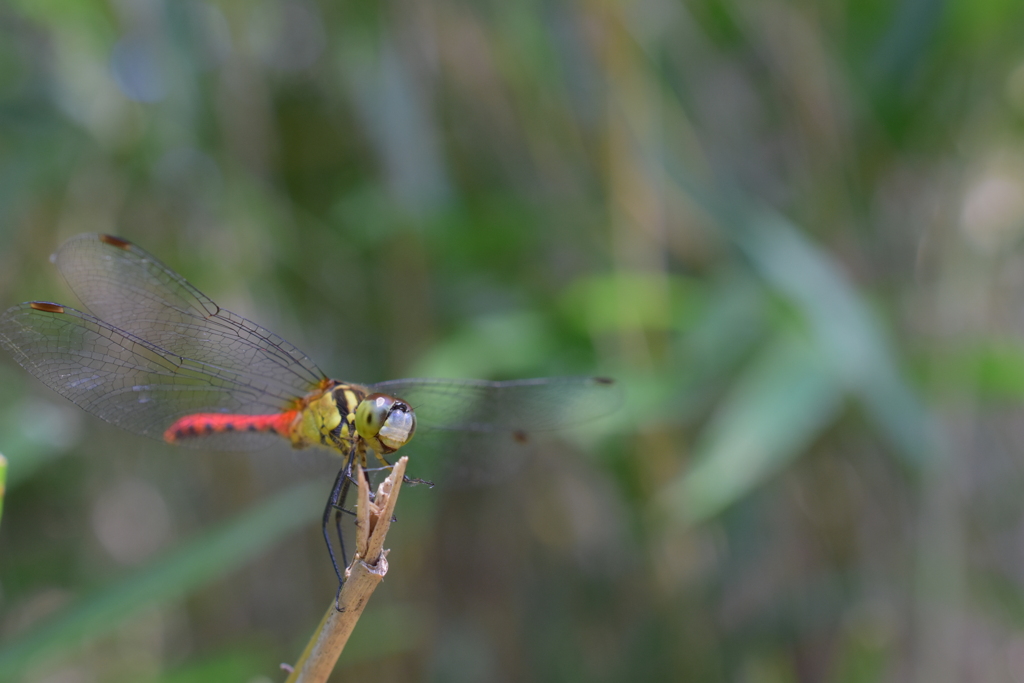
(362, 576)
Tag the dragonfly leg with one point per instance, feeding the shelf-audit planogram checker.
(338, 506)
(337, 529)
(328, 509)
(405, 480)
(336, 501)
(413, 481)
(352, 481)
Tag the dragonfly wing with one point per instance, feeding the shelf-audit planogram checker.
(125, 380)
(468, 460)
(131, 290)
(472, 432)
(526, 405)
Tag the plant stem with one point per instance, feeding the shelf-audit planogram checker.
(362, 576)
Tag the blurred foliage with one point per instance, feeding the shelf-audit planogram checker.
(792, 230)
(3, 483)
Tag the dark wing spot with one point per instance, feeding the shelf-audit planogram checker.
(115, 241)
(46, 306)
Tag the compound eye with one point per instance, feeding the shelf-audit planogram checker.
(372, 413)
(398, 427)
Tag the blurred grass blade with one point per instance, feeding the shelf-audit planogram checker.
(786, 399)
(31, 450)
(212, 555)
(845, 328)
(3, 484)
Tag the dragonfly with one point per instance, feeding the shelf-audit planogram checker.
(156, 357)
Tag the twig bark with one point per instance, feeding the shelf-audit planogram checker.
(362, 576)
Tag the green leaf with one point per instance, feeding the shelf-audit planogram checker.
(204, 559)
(632, 301)
(845, 329)
(493, 345)
(777, 407)
(231, 665)
(994, 367)
(843, 325)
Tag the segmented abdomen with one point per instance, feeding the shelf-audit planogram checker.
(203, 424)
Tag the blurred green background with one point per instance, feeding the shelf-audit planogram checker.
(792, 231)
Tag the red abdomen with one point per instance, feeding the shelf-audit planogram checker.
(203, 424)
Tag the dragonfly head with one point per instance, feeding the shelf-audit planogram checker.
(385, 422)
